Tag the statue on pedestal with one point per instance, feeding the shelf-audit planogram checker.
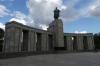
(56, 13)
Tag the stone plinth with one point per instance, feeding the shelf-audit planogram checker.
(57, 27)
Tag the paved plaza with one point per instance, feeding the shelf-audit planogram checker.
(71, 59)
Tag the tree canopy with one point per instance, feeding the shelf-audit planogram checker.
(97, 40)
(1, 38)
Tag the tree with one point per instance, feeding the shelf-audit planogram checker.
(97, 40)
(1, 38)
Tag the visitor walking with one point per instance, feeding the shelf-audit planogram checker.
(95, 51)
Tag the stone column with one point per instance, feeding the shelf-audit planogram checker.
(42, 37)
(87, 43)
(79, 43)
(34, 41)
(20, 39)
(82, 43)
(12, 39)
(7, 39)
(90, 43)
(29, 48)
(17, 39)
(44, 42)
(53, 42)
(93, 45)
(69, 43)
(47, 43)
(31, 40)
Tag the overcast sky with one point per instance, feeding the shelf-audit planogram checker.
(78, 16)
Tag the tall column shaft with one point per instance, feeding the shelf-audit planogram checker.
(69, 43)
(20, 40)
(90, 42)
(79, 43)
(29, 46)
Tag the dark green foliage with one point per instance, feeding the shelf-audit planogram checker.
(1, 38)
(97, 40)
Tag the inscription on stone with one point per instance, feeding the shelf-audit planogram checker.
(59, 25)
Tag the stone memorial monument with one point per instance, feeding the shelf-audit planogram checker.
(57, 27)
(19, 38)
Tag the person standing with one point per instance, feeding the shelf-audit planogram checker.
(95, 51)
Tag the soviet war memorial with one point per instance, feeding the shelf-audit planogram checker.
(49, 33)
(19, 38)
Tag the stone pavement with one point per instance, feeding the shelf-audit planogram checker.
(71, 59)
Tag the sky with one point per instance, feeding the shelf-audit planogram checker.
(78, 16)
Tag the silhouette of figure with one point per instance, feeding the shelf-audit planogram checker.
(56, 13)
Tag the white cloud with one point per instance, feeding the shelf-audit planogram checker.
(69, 13)
(3, 11)
(91, 10)
(95, 11)
(19, 15)
(81, 32)
(2, 26)
(44, 27)
(18, 20)
(41, 12)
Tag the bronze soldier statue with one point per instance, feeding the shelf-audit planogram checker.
(56, 13)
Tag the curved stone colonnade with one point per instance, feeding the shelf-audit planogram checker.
(19, 37)
(74, 41)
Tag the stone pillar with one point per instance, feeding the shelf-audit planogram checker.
(34, 41)
(29, 46)
(82, 43)
(93, 42)
(44, 46)
(79, 43)
(7, 39)
(47, 43)
(53, 42)
(69, 43)
(42, 37)
(17, 39)
(87, 43)
(90, 43)
(57, 27)
(12, 39)
(20, 40)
